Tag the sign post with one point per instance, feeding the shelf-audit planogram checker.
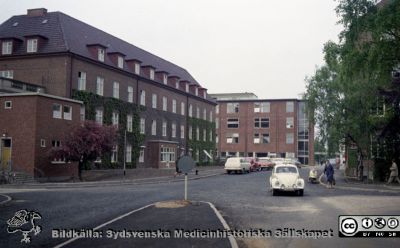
(185, 165)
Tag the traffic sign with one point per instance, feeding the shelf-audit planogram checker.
(185, 164)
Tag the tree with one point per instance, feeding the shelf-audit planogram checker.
(86, 143)
(346, 91)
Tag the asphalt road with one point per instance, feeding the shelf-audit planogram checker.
(243, 200)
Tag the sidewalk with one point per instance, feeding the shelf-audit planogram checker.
(344, 182)
(163, 224)
(132, 179)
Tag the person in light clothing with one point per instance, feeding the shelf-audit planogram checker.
(394, 173)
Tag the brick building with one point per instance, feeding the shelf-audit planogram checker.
(159, 104)
(251, 127)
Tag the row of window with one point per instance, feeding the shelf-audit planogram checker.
(258, 122)
(31, 46)
(154, 104)
(259, 107)
(258, 138)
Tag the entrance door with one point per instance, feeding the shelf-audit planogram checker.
(5, 154)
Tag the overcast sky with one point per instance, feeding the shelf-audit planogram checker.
(261, 46)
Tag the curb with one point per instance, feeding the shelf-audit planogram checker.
(111, 183)
(232, 240)
(6, 200)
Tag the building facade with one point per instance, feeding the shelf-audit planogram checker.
(251, 127)
(154, 103)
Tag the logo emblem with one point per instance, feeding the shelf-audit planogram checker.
(380, 223)
(393, 223)
(349, 226)
(24, 221)
(367, 223)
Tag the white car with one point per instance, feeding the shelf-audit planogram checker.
(237, 164)
(286, 177)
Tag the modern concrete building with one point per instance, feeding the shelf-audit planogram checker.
(163, 109)
(251, 127)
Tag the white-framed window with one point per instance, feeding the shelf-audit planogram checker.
(81, 80)
(197, 112)
(233, 123)
(116, 90)
(173, 106)
(7, 74)
(204, 134)
(165, 79)
(256, 139)
(57, 111)
(289, 107)
(216, 122)
(261, 122)
(211, 135)
(82, 112)
(6, 47)
(216, 138)
(115, 118)
(289, 122)
(120, 62)
(183, 108)
(289, 138)
(167, 154)
(128, 157)
(154, 101)
(187, 87)
(204, 114)
(67, 112)
(42, 143)
(100, 54)
(99, 116)
(265, 107)
(182, 131)
(204, 94)
(164, 128)
(196, 91)
(190, 132)
(114, 154)
(151, 74)
(129, 123)
(232, 138)
(217, 109)
(197, 133)
(256, 107)
(130, 94)
(32, 46)
(8, 104)
(177, 84)
(211, 116)
(232, 108)
(142, 125)
(143, 98)
(141, 155)
(100, 86)
(153, 127)
(164, 103)
(190, 110)
(137, 68)
(173, 133)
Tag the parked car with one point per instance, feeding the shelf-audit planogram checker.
(254, 165)
(284, 178)
(265, 163)
(237, 164)
(293, 161)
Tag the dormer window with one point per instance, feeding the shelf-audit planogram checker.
(196, 91)
(100, 54)
(204, 94)
(120, 62)
(32, 45)
(152, 74)
(187, 87)
(137, 68)
(177, 84)
(165, 78)
(6, 48)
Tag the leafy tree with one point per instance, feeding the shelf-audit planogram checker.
(86, 143)
(357, 75)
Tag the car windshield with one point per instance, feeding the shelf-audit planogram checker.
(286, 170)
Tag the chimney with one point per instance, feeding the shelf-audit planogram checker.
(37, 12)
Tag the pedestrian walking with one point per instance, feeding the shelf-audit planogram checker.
(329, 171)
(394, 173)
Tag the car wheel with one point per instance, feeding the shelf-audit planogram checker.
(301, 192)
(274, 192)
(228, 171)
